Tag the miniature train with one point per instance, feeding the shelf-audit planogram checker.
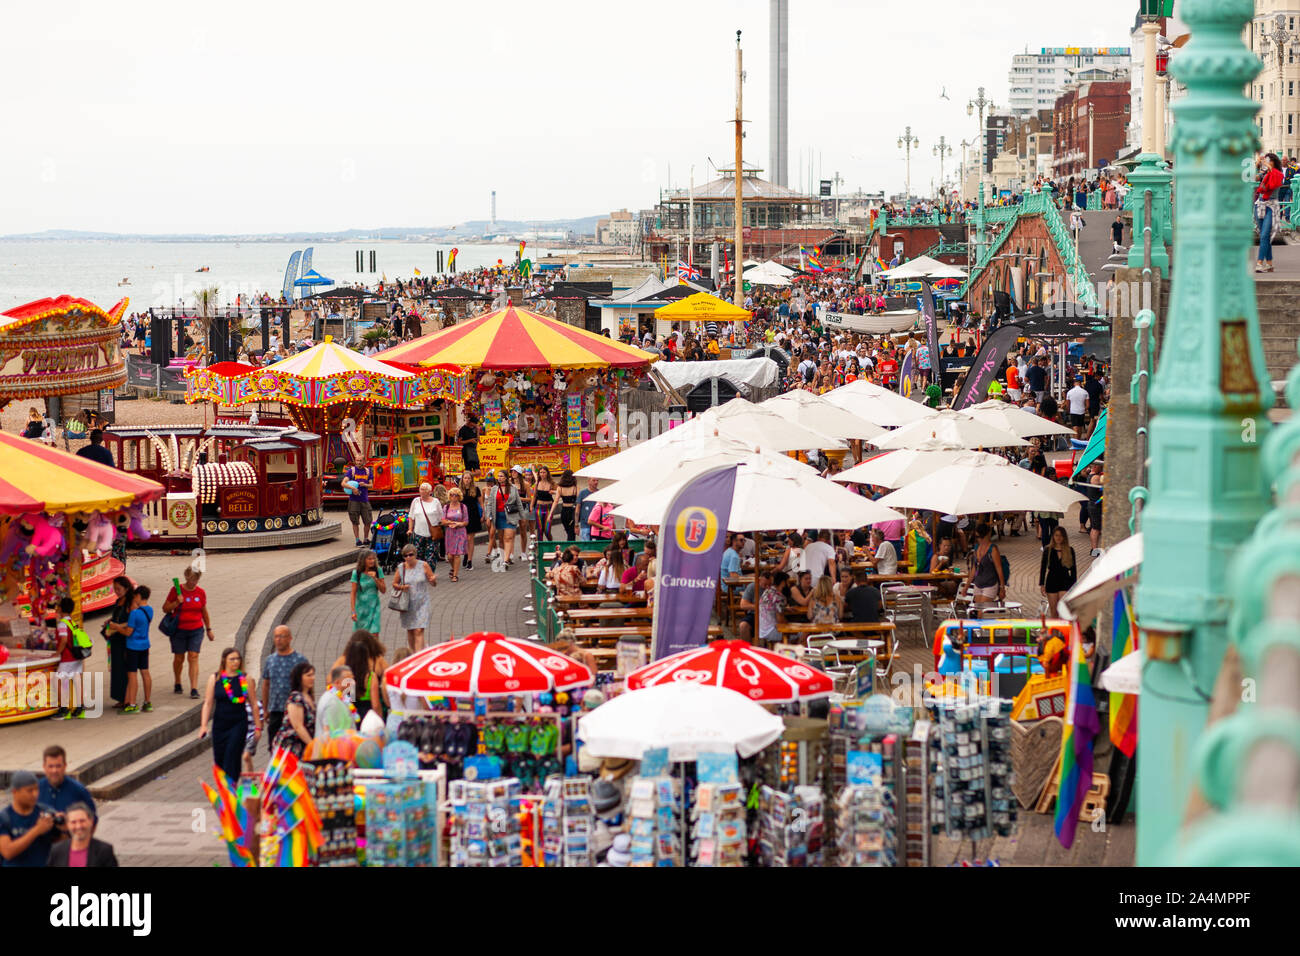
(223, 479)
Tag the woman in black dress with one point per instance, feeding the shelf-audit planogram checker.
(229, 709)
(474, 504)
(122, 590)
(1057, 572)
(569, 504)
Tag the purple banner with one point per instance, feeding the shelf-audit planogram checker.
(931, 333)
(691, 541)
(974, 387)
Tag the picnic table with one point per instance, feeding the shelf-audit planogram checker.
(610, 633)
(597, 614)
(629, 598)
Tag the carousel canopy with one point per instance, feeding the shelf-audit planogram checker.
(512, 338)
(324, 375)
(58, 307)
(702, 307)
(37, 478)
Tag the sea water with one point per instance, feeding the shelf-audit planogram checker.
(163, 274)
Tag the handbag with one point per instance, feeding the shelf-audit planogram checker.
(435, 531)
(169, 625)
(400, 600)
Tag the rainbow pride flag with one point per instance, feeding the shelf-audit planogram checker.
(1081, 726)
(1123, 707)
(918, 553)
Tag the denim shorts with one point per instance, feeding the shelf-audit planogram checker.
(184, 641)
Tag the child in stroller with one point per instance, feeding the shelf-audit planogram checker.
(387, 537)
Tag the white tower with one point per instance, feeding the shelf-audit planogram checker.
(779, 93)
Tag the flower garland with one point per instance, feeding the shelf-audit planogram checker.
(352, 708)
(226, 683)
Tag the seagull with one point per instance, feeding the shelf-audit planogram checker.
(944, 95)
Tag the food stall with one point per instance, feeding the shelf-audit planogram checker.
(538, 386)
(330, 390)
(55, 510)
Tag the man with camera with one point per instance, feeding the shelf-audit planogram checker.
(58, 790)
(27, 829)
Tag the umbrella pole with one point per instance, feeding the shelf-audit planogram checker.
(758, 593)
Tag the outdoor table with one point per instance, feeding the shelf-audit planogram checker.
(843, 627)
(608, 633)
(729, 596)
(920, 578)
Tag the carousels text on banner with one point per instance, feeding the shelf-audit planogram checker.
(693, 538)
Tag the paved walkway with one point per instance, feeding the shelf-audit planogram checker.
(168, 822)
(232, 580)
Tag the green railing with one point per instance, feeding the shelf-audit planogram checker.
(1094, 200)
(1037, 204)
(945, 248)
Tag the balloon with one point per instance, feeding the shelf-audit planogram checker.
(370, 755)
(372, 725)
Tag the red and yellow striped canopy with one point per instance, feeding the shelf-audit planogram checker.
(511, 338)
(37, 478)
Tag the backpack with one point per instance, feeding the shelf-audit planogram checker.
(1006, 566)
(81, 642)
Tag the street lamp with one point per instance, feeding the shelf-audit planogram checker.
(980, 103)
(941, 150)
(1151, 174)
(906, 142)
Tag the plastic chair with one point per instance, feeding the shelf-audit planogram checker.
(885, 659)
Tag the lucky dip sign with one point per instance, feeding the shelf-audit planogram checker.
(486, 665)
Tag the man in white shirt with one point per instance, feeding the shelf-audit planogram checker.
(1077, 399)
(886, 556)
(819, 558)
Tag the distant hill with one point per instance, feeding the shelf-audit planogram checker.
(585, 226)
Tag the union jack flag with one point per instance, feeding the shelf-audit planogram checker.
(687, 271)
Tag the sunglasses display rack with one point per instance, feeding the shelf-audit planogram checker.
(655, 822)
(528, 745)
(331, 786)
(791, 827)
(485, 829)
(718, 829)
(970, 760)
(568, 822)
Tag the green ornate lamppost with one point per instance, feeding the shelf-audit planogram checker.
(1209, 394)
(1151, 173)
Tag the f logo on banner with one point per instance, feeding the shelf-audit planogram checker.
(697, 529)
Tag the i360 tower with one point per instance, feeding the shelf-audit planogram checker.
(779, 105)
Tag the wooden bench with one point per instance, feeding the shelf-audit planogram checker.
(844, 627)
(605, 633)
(629, 598)
(607, 613)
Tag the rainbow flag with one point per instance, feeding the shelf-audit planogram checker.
(1123, 707)
(918, 553)
(881, 264)
(815, 260)
(1081, 726)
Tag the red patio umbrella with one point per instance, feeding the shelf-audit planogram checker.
(760, 675)
(486, 665)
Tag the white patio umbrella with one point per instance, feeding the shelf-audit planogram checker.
(945, 270)
(769, 502)
(1118, 567)
(761, 427)
(814, 412)
(982, 483)
(1014, 419)
(765, 275)
(955, 428)
(894, 469)
(670, 469)
(632, 461)
(906, 271)
(1125, 675)
(877, 405)
(687, 718)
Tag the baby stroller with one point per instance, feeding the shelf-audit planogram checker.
(387, 537)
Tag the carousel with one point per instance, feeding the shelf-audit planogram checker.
(538, 387)
(57, 512)
(335, 392)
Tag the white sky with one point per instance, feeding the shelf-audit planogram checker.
(242, 117)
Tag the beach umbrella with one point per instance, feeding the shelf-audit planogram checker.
(952, 427)
(36, 478)
(760, 426)
(877, 405)
(685, 717)
(486, 665)
(313, 278)
(816, 414)
(980, 484)
(662, 469)
(702, 307)
(768, 502)
(903, 466)
(759, 674)
(1014, 419)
